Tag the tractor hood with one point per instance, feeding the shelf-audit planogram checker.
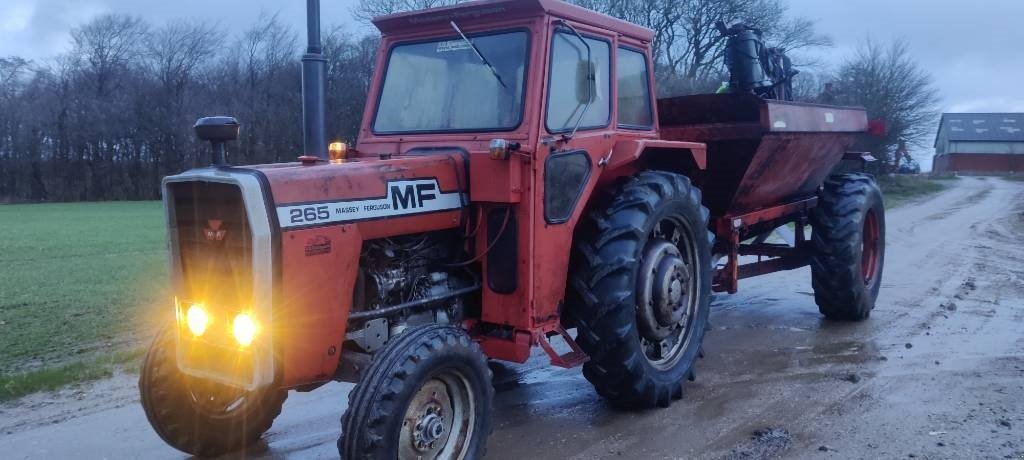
(383, 197)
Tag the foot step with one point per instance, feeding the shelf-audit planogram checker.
(573, 358)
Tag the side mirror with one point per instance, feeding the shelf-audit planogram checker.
(217, 131)
(586, 82)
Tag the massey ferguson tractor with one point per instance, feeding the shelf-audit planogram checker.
(515, 183)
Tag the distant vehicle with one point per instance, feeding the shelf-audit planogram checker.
(906, 164)
(515, 177)
(909, 167)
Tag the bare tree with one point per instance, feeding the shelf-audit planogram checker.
(892, 86)
(812, 87)
(174, 55)
(107, 44)
(688, 48)
(366, 10)
(176, 51)
(350, 66)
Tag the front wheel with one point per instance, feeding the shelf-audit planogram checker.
(848, 245)
(200, 417)
(427, 395)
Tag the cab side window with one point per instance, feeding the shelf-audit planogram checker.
(634, 97)
(568, 93)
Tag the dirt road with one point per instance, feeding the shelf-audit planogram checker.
(937, 372)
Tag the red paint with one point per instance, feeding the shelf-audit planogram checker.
(758, 163)
(978, 163)
(315, 299)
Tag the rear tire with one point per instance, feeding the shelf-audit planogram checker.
(425, 385)
(848, 247)
(199, 417)
(640, 290)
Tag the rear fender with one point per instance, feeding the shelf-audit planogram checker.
(629, 156)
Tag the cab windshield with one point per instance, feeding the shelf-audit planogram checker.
(443, 86)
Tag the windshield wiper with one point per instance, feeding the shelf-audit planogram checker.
(479, 54)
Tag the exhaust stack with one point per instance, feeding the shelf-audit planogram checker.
(314, 77)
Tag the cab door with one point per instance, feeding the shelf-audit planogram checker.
(578, 121)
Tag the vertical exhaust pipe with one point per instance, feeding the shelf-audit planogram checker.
(314, 75)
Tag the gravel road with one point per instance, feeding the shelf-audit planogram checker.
(937, 372)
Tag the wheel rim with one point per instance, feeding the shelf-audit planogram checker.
(439, 420)
(870, 249)
(667, 293)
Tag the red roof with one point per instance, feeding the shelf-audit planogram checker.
(490, 10)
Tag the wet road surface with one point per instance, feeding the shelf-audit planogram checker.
(937, 372)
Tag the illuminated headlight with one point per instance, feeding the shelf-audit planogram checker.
(197, 319)
(245, 329)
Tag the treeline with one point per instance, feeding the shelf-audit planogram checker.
(112, 116)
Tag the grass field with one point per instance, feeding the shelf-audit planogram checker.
(899, 190)
(81, 285)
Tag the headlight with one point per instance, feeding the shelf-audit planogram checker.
(245, 329)
(197, 319)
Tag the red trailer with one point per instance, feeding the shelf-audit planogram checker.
(767, 161)
(515, 180)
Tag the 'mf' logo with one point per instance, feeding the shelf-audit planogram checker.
(412, 196)
(402, 197)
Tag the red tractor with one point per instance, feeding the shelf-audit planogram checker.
(515, 178)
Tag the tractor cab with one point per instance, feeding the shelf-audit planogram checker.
(534, 73)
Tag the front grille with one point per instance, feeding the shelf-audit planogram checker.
(214, 248)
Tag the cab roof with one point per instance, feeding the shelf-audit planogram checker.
(482, 12)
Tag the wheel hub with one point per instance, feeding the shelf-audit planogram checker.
(660, 290)
(668, 292)
(427, 421)
(429, 429)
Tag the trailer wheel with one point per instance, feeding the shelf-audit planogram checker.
(196, 416)
(427, 394)
(640, 289)
(848, 247)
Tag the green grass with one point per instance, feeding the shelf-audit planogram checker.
(79, 283)
(17, 385)
(1014, 178)
(900, 190)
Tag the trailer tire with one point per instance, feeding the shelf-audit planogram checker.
(390, 403)
(611, 272)
(848, 245)
(175, 411)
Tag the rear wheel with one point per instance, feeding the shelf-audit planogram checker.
(197, 416)
(848, 247)
(427, 395)
(640, 290)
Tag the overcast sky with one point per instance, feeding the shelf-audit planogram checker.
(974, 49)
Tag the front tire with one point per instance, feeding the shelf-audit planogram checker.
(199, 417)
(640, 290)
(426, 395)
(848, 247)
